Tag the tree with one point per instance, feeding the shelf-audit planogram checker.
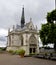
(43, 33)
(51, 16)
(48, 30)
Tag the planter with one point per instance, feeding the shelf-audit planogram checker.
(21, 56)
(21, 53)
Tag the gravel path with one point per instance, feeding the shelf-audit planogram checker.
(7, 59)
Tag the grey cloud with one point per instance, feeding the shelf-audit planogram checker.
(3, 39)
(10, 11)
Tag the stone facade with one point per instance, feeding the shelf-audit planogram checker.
(23, 38)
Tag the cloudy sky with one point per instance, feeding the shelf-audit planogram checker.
(10, 14)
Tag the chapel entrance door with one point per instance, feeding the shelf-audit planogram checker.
(32, 50)
(32, 44)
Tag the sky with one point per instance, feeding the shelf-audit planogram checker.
(11, 10)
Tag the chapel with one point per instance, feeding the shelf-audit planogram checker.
(24, 36)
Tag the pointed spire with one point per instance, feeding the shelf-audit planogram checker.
(8, 31)
(22, 18)
(36, 27)
(30, 19)
(13, 27)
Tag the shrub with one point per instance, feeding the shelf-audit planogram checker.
(11, 51)
(32, 54)
(21, 52)
(2, 49)
(17, 52)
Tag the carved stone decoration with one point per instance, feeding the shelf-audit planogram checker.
(32, 39)
(26, 38)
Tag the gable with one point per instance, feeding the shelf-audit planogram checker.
(30, 25)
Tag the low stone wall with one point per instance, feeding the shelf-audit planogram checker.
(46, 50)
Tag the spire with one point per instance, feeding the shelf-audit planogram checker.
(8, 31)
(13, 27)
(30, 19)
(22, 18)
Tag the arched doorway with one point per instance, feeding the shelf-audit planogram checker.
(21, 38)
(32, 44)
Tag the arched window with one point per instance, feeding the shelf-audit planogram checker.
(32, 39)
(21, 40)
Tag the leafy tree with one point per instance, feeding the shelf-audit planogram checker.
(51, 16)
(48, 30)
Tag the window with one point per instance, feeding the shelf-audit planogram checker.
(21, 41)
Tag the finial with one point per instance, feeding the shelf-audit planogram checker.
(30, 19)
(36, 27)
(8, 30)
(23, 6)
(13, 27)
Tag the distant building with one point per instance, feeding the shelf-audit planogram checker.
(24, 36)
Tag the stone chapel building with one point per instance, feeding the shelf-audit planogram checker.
(24, 36)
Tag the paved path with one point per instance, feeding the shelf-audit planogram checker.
(6, 59)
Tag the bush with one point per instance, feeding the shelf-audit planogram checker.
(11, 51)
(32, 54)
(21, 52)
(17, 52)
(2, 49)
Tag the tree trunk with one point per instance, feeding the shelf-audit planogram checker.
(55, 47)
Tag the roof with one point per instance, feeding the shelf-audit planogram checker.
(27, 27)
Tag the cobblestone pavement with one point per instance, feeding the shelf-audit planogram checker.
(7, 59)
